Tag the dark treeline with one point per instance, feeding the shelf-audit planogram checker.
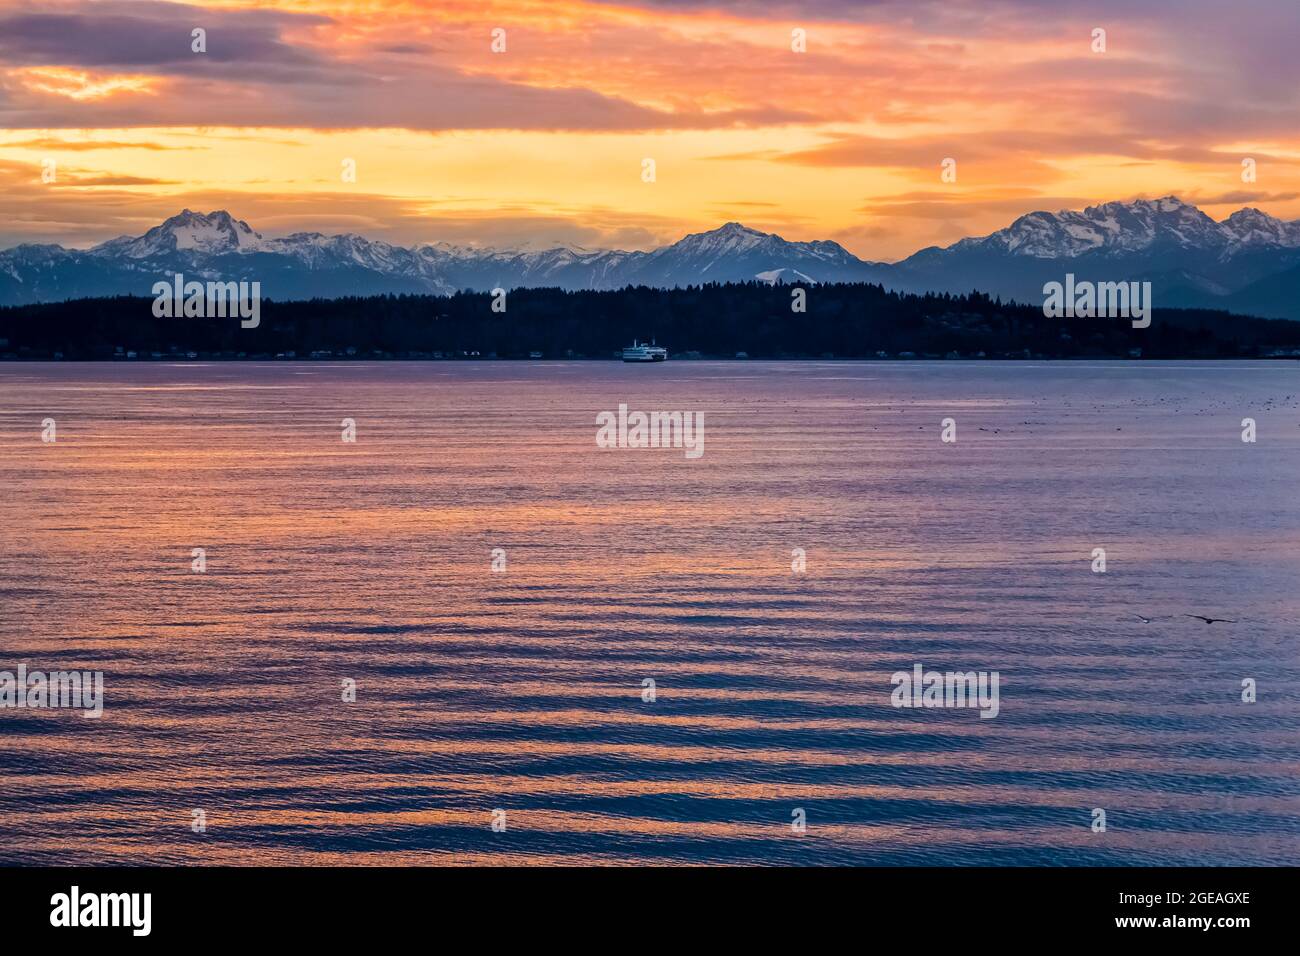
(846, 321)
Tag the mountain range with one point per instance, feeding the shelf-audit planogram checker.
(1248, 263)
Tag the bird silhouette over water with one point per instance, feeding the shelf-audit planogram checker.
(1210, 620)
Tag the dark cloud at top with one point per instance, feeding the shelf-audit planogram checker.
(250, 76)
(132, 36)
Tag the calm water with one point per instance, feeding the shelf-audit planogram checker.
(522, 690)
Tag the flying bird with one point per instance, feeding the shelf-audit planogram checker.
(1210, 620)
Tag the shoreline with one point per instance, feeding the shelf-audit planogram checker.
(869, 360)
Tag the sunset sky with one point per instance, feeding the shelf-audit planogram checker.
(543, 144)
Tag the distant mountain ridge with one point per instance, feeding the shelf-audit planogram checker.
(1246, 263)
(1191, 260)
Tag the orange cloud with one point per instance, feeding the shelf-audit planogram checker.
(546, 139)
(81, 84)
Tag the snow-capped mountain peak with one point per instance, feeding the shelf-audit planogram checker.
(1250, 226)
(211, 233)
(784, 276)
(734, 242)
(216, 232)
(729, 239)
(1113, 227)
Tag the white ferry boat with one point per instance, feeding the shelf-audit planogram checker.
(644, 353)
